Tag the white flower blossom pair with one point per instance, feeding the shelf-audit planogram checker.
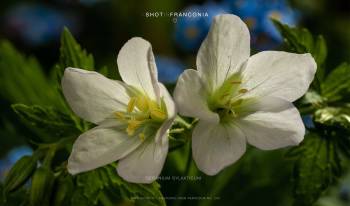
(237, 99)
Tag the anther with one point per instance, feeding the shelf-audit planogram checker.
(131, 104)
(157, 114)
(132, 126)
(119, 115)
(242, 91)
(142, 104)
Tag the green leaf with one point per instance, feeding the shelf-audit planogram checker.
(91, 184)
(337, 85)
(21, 171)
(78, 198)
(48, 123)
(317, 166)
(320, 50)
(72, 55)
(99, 182)
(22, 79)
(145, 194)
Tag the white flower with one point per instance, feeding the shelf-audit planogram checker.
(240, 99)
(133, 116)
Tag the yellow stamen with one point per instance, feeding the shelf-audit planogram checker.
(141, 117)
(119, 115)
(142, 104)
(242, 91)
(140, 111)
(131, 104)
(132, 126)
(158, 114)
(152, 105)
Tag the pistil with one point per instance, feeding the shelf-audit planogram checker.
(226, 100)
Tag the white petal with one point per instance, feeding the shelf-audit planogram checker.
(168, 100)
(100, 146)
(92, 96)
(137, 66)
(145, 163)
(276, 124)
(191, 97)
(171, 109)
(215, 146)
(224, 50)
(281, 74)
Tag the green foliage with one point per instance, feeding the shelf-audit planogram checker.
(94, 185)
(41, 187)
(334, 116)
(48, 123)
(318, 159)
(300, 40)
(336, 86)
(22, 79)
(316, 167)
(72, 55)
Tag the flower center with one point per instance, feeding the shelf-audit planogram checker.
(226, 101)
(142, 116)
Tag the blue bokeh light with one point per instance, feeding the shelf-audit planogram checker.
(36, 24)
(11, 158)
(169, 69)
(257, 14)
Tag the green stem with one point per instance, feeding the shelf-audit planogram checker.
(49, 156)
(60, 144)
(183, 122)
(52, 149)
(220, 183)
(183, 187)
(177, 131)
